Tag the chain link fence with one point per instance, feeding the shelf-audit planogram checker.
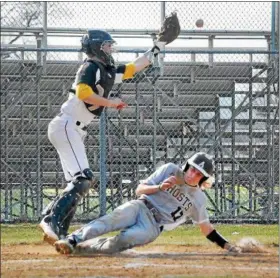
(222, 102)
(139, 15)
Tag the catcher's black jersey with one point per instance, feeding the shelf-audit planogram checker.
(94, 73)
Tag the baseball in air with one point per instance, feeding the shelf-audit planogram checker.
(199, 23)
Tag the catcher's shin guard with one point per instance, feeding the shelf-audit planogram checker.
(65, 223)
(64, 209)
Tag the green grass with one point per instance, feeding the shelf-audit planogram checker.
(189, 234)
(24, 208)
(184, 235)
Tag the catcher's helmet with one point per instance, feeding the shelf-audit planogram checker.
(203, 163)
(93, 42)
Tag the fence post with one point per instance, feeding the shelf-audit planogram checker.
(273, 27)
(161, 56)
(102, 163)
(39, 72)
(278, 43)
(45, 33)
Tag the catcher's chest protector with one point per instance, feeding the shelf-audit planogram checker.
(107, 80)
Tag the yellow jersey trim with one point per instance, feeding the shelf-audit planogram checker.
(83, 91)
(129, 71)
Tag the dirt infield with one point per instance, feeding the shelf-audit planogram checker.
(150, 261)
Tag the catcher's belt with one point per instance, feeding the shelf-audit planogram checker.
(153, 210)
(78, 123)
(81, 125)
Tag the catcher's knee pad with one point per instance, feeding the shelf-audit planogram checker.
(86, 173)
(84, 181)
(81, 186)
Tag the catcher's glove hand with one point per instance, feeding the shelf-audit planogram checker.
(170, 29)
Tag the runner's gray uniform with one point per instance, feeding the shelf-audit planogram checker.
(140, 224)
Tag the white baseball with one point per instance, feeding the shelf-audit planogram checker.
(199, 23)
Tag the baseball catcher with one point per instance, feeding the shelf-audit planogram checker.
(166, 199)
(89, 94)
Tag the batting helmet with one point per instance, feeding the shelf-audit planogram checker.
(203, 163)
(93, 42)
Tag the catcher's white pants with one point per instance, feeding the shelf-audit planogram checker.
(68, 139)
(137, 223)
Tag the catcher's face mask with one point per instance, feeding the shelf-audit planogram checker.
(108, 47)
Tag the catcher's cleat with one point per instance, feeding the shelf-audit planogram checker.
(49, 235)
(64, 246)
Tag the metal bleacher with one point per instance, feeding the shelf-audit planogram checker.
(136, 141)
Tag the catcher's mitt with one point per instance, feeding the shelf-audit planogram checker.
(170, 29)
